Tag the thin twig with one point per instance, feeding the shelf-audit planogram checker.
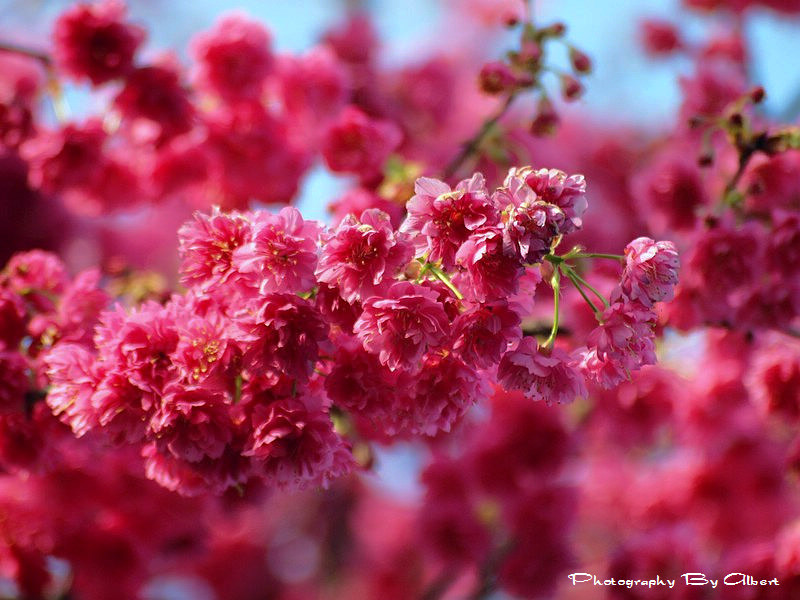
(438, 586)
(474, 143)
(42, 57)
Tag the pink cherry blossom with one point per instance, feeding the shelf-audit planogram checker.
(441, 219)
(363, 256)
(282, 255)
(651, 271)
(402, 325)
(548, 374)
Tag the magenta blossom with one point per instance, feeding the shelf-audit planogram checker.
(139, 345)
(441, 393)
(623, 343)
(94, 42)
(541, 374)
(356, 143)
(280, 332)
(234, 57)
(402, 325)
(207, 246)
(531, 229)
(483, 333)
(72, 382)
(567, 192)
(283, 252)
(155, 96)
(293, 444)
(490, 272)
(69, 157)
(358, 382)
(121, 409)
(335, 309)
(651, 271)
(192, 423)
(203, 348)
(441, 219)
(363, 255)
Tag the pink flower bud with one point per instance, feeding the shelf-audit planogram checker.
(571, 88)
(580, 61)
(496, 77)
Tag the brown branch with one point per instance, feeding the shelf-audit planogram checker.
(438, 586)
(472, 145)
(12, 48)
(487, 577)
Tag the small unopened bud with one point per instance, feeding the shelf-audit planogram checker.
(496, 78)
(529, 54)
(757, 94)
(580, 61)
(736, 119)
(546, 121)
(546, 269)
(571, 88)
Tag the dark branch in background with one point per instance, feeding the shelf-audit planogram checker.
(543, 330)
(438, 586)
(487, 578)
(471, 146)
(54, 90)
(42, 57)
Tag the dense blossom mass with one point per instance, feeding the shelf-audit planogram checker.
(228, 381)
(529, 342)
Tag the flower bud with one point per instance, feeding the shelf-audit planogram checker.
(571, 88)
(546, 121)
(529, 54)
(757, 94)
(496, 77)
(736, 120)
(581, 63)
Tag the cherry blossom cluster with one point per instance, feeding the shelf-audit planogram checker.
(40, 305)
(286, 322)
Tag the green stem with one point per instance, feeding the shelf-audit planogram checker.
(586, 284)
(555, 283)
(600, 255)
(442, 276)
(554, 259)
(588, 300)
(237, 392)
(424, 269)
